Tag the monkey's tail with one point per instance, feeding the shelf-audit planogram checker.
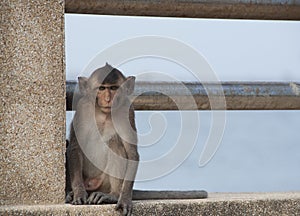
(148, 195)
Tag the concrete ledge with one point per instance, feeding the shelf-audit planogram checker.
(217, 204)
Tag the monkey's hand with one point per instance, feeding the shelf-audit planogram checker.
(125, 205)
(100, 198)
(80, 197)
(69, 197)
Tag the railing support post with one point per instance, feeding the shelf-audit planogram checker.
(32, 110)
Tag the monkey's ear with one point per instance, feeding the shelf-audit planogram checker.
(129, 85)
(83, 85)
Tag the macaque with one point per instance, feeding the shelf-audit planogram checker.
(102, 156)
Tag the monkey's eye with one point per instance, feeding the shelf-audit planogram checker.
(102, 88)
(114, 88)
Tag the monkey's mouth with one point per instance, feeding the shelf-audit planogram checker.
(106, 108)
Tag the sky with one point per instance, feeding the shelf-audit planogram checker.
(236, 50)
(259, 150)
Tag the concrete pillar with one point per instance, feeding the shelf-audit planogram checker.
(32, 109)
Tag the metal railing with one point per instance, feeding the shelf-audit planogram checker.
(227, 9)
(169, 96)
(237, 96)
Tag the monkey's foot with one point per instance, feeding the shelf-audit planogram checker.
(101, 198)
(80, 199)
(125, 206)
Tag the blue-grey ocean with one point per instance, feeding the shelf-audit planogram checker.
(259, 152)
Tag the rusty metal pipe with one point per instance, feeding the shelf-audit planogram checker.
(238, 96)
(228, 9)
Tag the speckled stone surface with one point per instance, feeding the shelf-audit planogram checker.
(267, 204)
(32, 109)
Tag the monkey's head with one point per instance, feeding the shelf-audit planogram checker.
(108, 87)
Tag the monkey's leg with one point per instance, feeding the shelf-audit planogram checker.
(101, 198)
(125, 199)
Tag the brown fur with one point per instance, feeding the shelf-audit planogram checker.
(99, 152)
(102, 157)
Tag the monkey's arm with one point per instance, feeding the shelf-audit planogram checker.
(75, 163)
(148, 195)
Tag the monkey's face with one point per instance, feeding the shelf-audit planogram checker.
(113, 96)
(108, 86)
(106, 95)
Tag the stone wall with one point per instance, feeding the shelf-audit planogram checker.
(32, 110)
